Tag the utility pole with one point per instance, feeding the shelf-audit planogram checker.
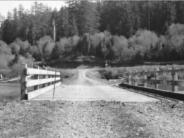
(54, 29)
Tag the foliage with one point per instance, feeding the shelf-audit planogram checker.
(115, 31)
(5, 55)
(46, 46)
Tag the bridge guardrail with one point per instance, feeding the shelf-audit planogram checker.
(36, 81)
(141, 81)
(143, 78)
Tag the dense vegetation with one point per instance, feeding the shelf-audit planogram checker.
(118, 31)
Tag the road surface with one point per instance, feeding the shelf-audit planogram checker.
(88, 89)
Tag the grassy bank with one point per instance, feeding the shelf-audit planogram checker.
(9, 92)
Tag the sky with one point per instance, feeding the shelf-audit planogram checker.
(9, 5)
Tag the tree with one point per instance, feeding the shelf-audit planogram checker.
(40, 22)
(119, 17)
(15, 14)
(62, 23)
(9, 31)
(1, 21)
(87, 17)
(72, 17)
(20, 11)
(179, 11)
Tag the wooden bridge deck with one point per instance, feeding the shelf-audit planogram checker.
(87, 89)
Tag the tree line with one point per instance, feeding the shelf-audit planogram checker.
(119, 31)
(81, 16)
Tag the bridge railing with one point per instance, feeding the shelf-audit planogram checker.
(36, 81)
(148, 78)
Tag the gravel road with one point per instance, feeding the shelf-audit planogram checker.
(94, 119)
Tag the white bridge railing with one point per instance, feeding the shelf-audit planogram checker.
(36, 81)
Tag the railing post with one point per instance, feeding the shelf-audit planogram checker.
(174, 79)
(38, 77)
(60, 77)
(156, 78)
(129, 79)
(54, 85)
(145, 80)
(46, 76)
(135, 79)
(23, 83)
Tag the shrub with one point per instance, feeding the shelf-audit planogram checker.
(143, 41)
(65, 46)
(17, 67)
(4, 48)
(175, 37)
(5, 55)
(46, 46)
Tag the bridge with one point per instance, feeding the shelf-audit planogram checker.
(58, 108)
(42, 84)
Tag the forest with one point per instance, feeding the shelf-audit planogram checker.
(117, 31)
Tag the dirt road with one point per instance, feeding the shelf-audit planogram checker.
(84, 88)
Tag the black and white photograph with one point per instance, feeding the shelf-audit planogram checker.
(91, 69)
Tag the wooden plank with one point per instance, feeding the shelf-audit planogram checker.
(32, 71)
(156, 77)
(176, 82)
(38, 92)
(174, 75)
(31, 83)
(159, 71)
(150, 80)
(164, 93)
(145, 83)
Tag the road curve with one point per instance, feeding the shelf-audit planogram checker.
(88, 89)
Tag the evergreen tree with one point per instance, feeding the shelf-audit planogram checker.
(72, 17)
(87, 17)
(62, 23)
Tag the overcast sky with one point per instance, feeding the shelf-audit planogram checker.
(9, 5)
